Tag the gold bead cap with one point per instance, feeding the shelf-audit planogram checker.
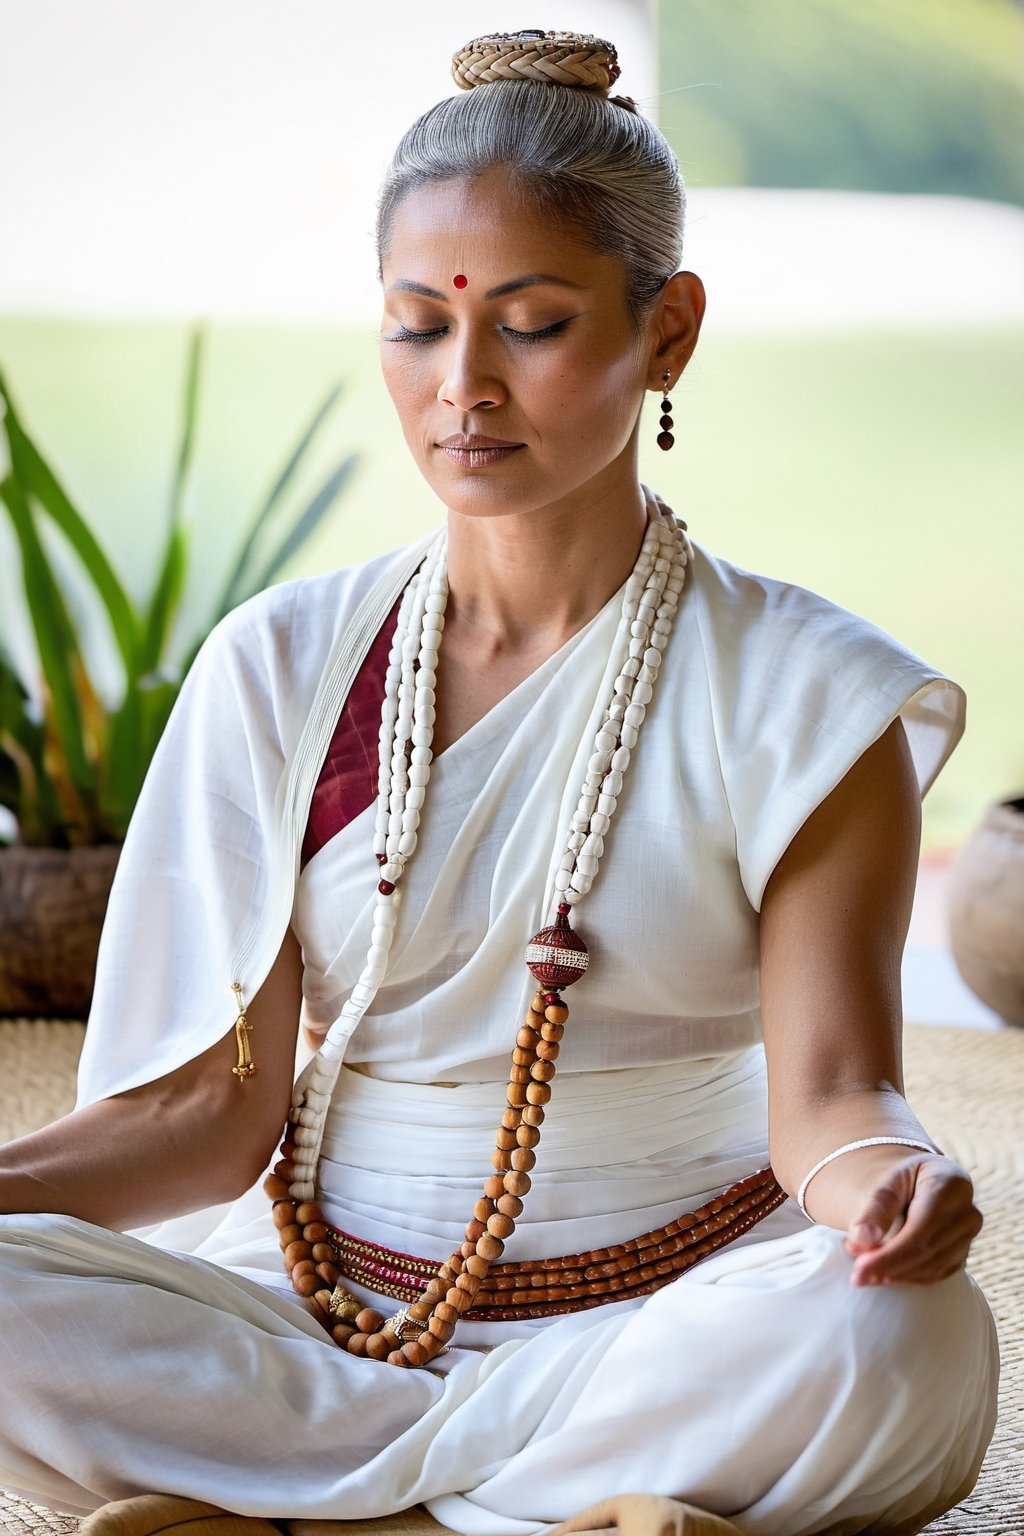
(553, 58)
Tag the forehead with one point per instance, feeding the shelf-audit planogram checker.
(484, 226)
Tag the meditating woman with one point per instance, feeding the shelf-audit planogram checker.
(685, 1259)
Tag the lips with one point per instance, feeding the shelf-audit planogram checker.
(470, 450)
(468, 442)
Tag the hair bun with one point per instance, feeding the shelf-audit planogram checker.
(555, 58)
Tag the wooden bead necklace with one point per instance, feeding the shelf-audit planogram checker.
(556, 957)
(540, 1288)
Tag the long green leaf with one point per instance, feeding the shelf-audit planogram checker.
(13, 695)
(38, 479)
(135, 729)
(229, 597)
(127, 762)
(186, 441)
(163, 605)
(57, 643)
(308, 521)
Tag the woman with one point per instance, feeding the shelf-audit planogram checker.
(752, 757)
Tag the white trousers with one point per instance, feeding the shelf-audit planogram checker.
(774, 1394)
(759, 1384)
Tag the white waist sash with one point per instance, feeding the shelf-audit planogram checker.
(620, 1153)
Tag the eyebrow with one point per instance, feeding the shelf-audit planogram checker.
(531, 280)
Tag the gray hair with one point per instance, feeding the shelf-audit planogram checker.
(592, 161)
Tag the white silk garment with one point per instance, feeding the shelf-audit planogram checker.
(759, 1384)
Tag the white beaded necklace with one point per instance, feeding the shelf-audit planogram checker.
(557, 955)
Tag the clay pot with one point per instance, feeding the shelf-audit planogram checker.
(986, 910)
(52, 905)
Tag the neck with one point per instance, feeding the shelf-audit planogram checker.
(532, 579)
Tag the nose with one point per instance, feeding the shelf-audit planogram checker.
(469, 382)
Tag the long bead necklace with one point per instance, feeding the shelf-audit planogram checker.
(556, 956)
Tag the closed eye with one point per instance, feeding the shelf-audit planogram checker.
(541, 335)
(405, 334)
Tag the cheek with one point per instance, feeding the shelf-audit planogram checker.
(602, 370)
(609, 396)
(408, 381)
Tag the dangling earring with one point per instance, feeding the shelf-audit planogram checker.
(665, 438)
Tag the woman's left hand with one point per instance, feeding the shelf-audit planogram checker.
(916, 1225)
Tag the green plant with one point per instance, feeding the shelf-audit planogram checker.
(71, 766)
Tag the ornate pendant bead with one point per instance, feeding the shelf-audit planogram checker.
(557, 956)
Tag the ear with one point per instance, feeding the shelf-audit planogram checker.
(675, 326)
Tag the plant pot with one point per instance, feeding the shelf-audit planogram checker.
(986, 910)
(52, 905)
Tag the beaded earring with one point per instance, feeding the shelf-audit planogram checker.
(665, 438)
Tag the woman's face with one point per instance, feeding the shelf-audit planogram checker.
(519, 387)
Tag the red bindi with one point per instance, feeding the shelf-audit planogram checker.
(460, 281)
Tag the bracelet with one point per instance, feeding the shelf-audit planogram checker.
(854, 1146)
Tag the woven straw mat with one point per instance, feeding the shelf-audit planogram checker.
(966, 1085)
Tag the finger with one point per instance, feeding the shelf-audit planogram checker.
(900, 1261)
(895, 1259)
(938, 1266)
(881, 1214)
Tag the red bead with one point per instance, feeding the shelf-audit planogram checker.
(557, 956)
(460, 281)
(386, 887)
(381, 858)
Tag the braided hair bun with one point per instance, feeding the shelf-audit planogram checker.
(554, 58)
(572, 151)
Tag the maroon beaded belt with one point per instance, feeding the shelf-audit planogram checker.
(532, 1288)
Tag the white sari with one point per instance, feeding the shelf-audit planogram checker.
(759, 1384)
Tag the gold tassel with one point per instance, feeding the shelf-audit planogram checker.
(246, 1066)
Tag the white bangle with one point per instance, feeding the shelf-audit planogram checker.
(855, 1146)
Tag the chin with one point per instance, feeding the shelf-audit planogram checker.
(476, 494)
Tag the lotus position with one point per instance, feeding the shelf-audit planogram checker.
(577, 864)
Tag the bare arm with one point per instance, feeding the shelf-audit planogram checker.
(198, 1136)
(833, 924)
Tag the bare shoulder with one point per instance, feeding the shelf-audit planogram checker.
(834, 921)
(864, 831)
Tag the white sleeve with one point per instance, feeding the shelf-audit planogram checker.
(800, 688)
(193, 870)
(204, 885)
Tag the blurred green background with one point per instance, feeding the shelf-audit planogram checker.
(882, 468)
(884, 95)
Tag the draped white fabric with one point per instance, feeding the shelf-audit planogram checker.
(759, 1384)
(767, 695)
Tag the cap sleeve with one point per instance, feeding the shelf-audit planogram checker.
(800, 688)
(194, 866)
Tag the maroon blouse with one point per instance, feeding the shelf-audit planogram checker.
(348, 778)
